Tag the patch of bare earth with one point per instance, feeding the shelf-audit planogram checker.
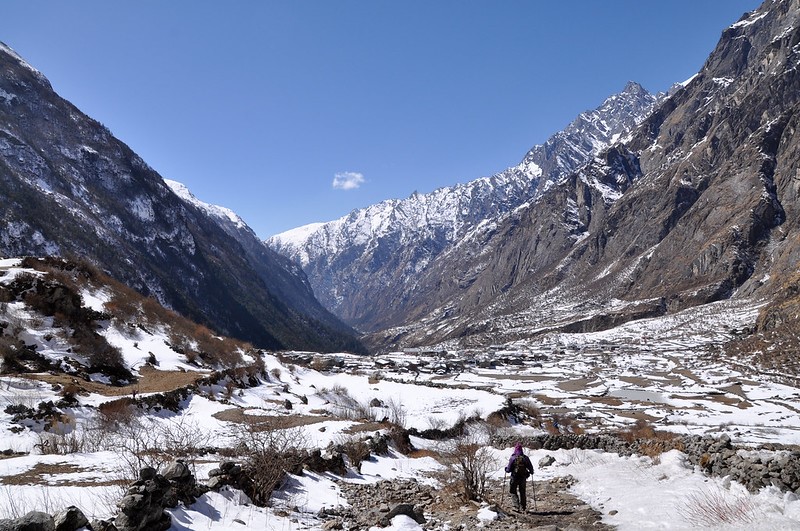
(238, 416)
(151, 380)
(43, 474)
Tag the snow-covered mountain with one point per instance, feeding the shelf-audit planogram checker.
(68, 187)
(363, 265)
(698, 205)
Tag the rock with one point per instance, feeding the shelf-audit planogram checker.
(147, 473)
(176, 470)
(546, 461)
(216, 482)
(406, 509)
(226, 466)
(103, 525)
(33, 521)
(70, 519)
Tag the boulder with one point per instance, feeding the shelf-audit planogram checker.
(33, 521)
(70, 519)
(546, 461)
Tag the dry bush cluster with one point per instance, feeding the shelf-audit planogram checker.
(269, 450)
(10, 350)
(355, 449)
(651, 442)
(199, 344)
(136, 439)
(705, 509)
(348, 407)
(468, 461)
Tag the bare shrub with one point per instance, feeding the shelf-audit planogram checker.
(270, 450)
(345, 405)
(355, 449)
(397, 413)
(653, 450)
(100, 354)
(140, 441)
(713, 508)
(470, 462)
(116, 412)
(64, 441)
(10, 349)
(651, 442)
(436, 423)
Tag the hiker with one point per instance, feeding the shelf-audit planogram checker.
(520, 468)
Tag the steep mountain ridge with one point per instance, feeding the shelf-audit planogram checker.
(698, 205)
(364, 266)
(70, 188)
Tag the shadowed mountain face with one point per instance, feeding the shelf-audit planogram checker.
(68, 187)
(699, 204)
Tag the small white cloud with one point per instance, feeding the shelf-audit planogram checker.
(348, 180)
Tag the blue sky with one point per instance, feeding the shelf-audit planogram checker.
(297, 111)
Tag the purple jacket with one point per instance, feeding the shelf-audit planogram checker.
(526, 462)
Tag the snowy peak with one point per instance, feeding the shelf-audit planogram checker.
(590, 133)
(355, 260)
(214, 211)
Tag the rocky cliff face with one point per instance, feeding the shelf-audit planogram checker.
(366, 266)
(700, 203)
(70, 188)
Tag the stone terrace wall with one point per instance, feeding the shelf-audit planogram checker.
(774, 465)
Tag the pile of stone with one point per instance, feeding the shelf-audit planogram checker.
(376, 504)
(70, 519)
(141, 509)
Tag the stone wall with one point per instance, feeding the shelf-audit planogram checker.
(774, 465)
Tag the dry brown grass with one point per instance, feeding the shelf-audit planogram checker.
(41, 474)
(418, 454)
(652, 442)
(151, 380)
(366, 426)
(266, 422)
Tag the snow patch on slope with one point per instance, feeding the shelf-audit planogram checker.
(212, 210)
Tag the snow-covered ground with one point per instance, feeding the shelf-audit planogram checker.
(659, 370)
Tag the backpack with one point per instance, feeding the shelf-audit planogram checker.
(518, 468)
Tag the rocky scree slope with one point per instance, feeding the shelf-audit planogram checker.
(698, 205)
(70, 188)
(364, 266)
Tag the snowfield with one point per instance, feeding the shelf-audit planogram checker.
(661, 370)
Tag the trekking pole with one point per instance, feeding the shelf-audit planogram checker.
(504, 488)
(533, 489)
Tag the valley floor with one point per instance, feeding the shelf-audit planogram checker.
(665, 373)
